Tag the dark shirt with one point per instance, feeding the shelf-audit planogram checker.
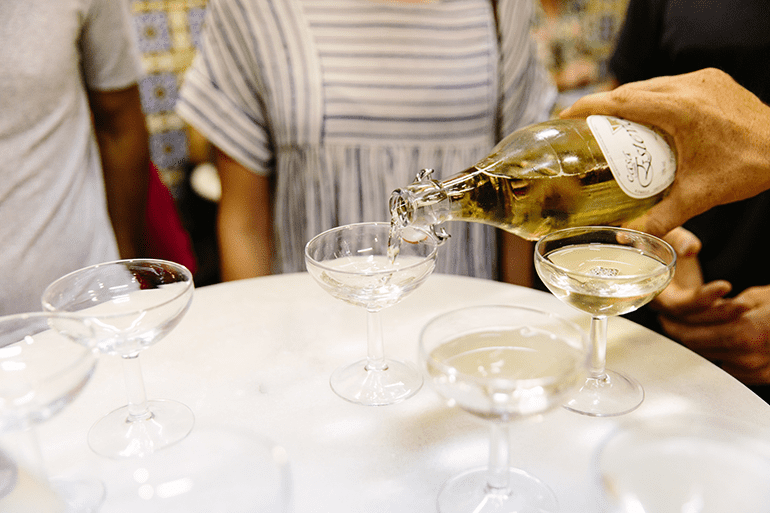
(671, 37)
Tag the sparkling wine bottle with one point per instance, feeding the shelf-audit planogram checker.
(576, 172)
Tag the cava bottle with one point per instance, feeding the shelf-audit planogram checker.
(553, 175)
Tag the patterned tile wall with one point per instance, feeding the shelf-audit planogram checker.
(168, 34)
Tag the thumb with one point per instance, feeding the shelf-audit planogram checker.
(684, 242)
(660, 219)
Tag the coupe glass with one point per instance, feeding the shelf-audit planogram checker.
(604, 271)
(134, 303)
(352, 263)
(685, 464)
(502, 363)
(45, 362)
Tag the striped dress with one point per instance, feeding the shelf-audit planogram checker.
(343, 101)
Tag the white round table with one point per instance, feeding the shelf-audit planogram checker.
(258, 354)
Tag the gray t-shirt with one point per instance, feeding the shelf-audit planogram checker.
(53, 212)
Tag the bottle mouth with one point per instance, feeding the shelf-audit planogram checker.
(399, 208)
(401, 221)
(424, 191)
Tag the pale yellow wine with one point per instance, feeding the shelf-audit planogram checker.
(506, 373)
(604, 279)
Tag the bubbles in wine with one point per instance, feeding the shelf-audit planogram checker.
(604, 271)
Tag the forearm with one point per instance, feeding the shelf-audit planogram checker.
(127, 208)
(516, 260)
(122, 137)
(245, 252)
(757, 150)
(244, 221)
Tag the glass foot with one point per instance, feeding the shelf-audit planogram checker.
(357, 384)
(615, 394)
(79, 496)
(115, 436)
(469, 491)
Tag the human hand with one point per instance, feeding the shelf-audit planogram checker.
(733, 332)
(721, 132)
(737, 335)
(687, 297)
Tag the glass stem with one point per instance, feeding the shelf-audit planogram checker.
(137, 396)
(376, 346)
(599, 344)
(499, 459)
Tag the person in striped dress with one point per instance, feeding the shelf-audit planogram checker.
(319, 109)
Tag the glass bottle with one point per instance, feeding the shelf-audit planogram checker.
(557, 174)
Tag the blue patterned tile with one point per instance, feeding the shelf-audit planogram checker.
(169, 149)
(195, 19)
(159, 92)
(152, 31)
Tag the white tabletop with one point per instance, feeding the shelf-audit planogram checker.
(258, 354)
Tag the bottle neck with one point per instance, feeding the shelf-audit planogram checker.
(427, 203)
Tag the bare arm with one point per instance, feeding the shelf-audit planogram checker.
(121, 133)
(517, 260)
(721, 132)
(244, 221)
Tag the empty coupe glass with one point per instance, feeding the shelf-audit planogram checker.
(45, 362)
(133, 304)
(353, 263)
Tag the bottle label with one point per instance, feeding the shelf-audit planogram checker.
(640, 159)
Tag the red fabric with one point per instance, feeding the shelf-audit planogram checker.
(168, 239)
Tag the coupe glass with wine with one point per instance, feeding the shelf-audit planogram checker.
(45, 362)
(133, 304)
(604, 271)
(502, 363)
(362, 265)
